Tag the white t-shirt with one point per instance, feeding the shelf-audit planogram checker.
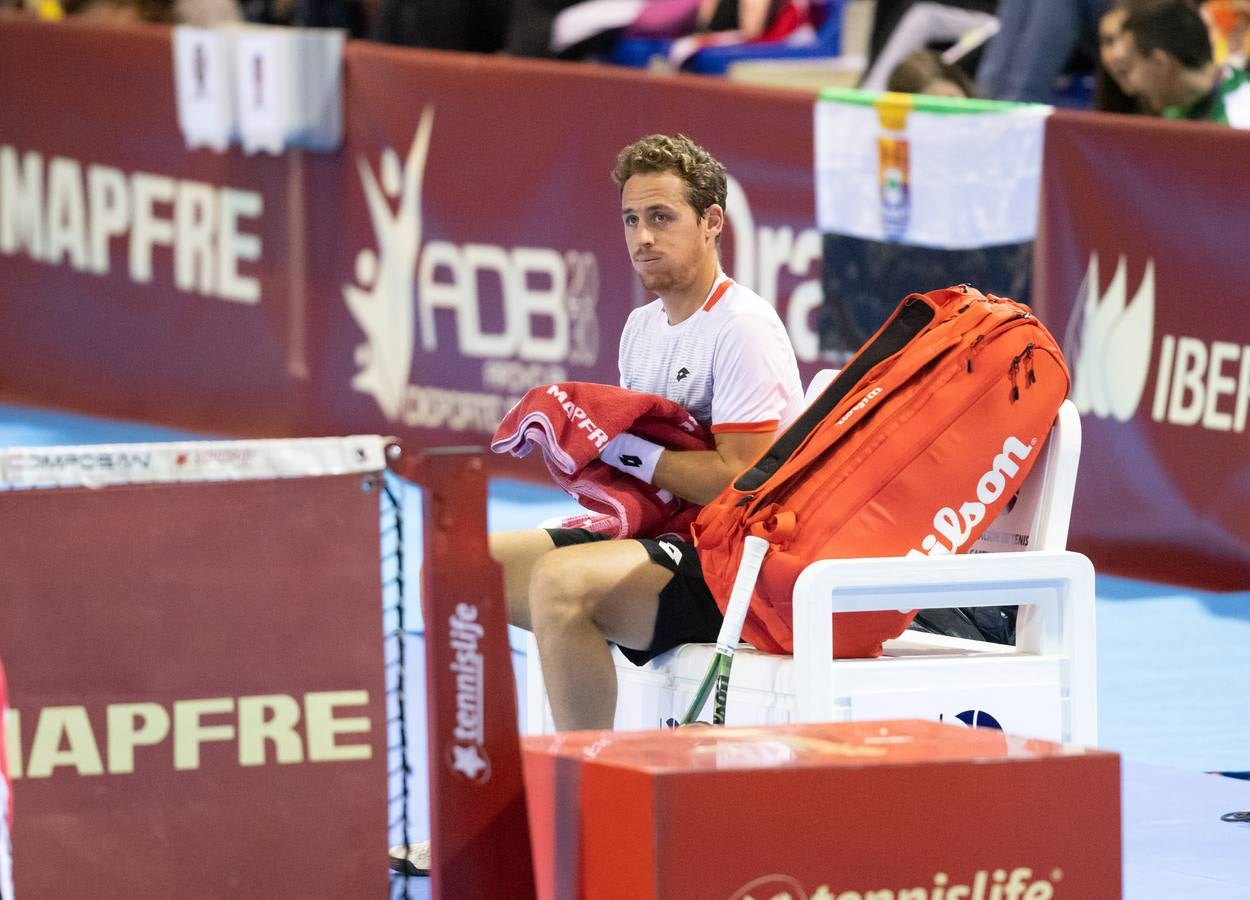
(731, 364)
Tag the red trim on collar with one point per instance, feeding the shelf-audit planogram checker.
(717, 294)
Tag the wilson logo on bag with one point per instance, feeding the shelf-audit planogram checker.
(912, 450)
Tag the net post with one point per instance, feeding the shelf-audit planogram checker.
(479, 826)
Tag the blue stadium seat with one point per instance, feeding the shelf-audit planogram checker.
(638, 52)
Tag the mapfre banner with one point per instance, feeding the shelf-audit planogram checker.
(463, 246)
(1141, 265)
(197, 691)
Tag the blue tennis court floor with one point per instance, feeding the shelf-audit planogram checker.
(1173, 679)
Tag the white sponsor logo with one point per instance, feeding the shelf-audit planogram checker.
(125, 738)
(956, 527)
(58, 211)
(466, 755)
(578, 417)
(868, 398)
(999, 884)
(1197, 382)
(1112, 342)
(548, 301)
(30, 461)
(673, 553)
(1202, 384)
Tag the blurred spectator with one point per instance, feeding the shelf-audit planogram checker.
(200, 13)
(924, 72)
(1169, 65)
(475, 26)
(349, 15)
(1034, 45)
(1110, 94)
(924, 25)
(590, 27)
(888, 14)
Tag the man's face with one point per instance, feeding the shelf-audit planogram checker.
(668, 243)
(1111, 49)
(1149, 76)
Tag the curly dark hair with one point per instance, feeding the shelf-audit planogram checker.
(704, 175)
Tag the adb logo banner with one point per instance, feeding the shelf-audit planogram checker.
(525, 312)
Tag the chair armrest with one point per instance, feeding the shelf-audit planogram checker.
(1058, 584)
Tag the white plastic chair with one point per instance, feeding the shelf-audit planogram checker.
(1045, 686)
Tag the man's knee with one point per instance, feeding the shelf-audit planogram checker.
(558, 593)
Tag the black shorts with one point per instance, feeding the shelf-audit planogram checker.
(687, 614)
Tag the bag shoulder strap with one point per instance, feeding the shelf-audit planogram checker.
(910, 319)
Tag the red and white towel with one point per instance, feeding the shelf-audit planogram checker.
(571, 422)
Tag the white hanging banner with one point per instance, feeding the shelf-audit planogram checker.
(926, 171)
(204, 86)
(288, 88)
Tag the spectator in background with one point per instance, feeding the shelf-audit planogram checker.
(1110, 94)
(1170, 66)
(199, 13)
(960, 25)
(476, 26)
(924, 72)
(1034, 45)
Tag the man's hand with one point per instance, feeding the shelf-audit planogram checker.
(632, 455)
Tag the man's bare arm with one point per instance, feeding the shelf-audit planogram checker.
(699, 475)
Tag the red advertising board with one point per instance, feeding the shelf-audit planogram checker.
(834, 810)
(1140, 265)
(198, 704)
(137, 279)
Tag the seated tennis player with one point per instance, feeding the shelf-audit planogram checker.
(720, 351)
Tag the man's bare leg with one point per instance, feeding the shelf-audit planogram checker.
(516, 552)
(575, 599)
(580, 597)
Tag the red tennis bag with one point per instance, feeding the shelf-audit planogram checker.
(912, 450)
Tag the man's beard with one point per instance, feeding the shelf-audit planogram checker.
(667, 280)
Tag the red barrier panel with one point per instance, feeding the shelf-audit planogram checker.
(478, 825)
(1140, 253)
(198, 695)
(6, 797)
(414, 283)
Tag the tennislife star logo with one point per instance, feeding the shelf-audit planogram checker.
(468, 761)
(466, 753)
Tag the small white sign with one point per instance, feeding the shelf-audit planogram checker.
(204, 86)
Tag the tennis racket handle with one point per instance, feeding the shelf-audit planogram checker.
(753, 551)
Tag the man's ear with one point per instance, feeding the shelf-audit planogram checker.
(1163, 59)
(714, 215)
